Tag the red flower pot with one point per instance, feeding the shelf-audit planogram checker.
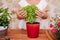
(33, 30)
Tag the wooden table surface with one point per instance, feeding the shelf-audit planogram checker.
(18, 34)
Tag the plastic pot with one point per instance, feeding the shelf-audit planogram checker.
(33, 29)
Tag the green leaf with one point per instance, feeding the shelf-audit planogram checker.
(31, 16)
(1, 10)
(58, 34)
(3, 19)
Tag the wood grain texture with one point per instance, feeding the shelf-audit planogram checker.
(18, 34)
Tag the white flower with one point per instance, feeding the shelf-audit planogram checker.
(8, 17)
(4, 6)
(1, 14)
(58, 17)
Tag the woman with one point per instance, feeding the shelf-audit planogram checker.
(42, 15)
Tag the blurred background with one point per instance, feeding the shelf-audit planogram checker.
(53, 7)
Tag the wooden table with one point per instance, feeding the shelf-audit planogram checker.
(18, 34)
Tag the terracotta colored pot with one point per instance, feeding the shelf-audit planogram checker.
(33, 30)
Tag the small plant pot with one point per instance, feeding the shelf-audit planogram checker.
(33, 29)
(3, 31)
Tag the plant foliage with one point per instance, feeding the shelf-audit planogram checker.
(31, 16)
(4, 17)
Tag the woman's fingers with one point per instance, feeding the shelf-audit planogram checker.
(38, 13)
(25, 15)
(21, 14)
(41, 14)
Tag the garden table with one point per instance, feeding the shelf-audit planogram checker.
(20, 34)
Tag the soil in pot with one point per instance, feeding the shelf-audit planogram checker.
(33, 29)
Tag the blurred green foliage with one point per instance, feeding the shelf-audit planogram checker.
(31, 16)
(4, 17)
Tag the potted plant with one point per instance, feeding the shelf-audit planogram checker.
(55, 27)
(32, 25)
(4, 21)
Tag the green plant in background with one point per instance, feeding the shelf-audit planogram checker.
(4, 21)
(31, 16)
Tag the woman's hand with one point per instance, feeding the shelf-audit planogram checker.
(42, 14)
(20, 14)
